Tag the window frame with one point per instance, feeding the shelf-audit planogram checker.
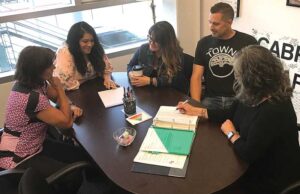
(9, 76)
(80, 5)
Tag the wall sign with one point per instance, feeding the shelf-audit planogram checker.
(287, 49)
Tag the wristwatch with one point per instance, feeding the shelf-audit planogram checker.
(230, 135)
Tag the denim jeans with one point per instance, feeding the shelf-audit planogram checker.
(218, 102)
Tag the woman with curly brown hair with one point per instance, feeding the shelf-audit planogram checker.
(261, 124)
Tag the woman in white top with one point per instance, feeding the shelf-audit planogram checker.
(82, 58)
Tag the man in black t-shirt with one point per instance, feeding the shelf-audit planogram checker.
(213, 59)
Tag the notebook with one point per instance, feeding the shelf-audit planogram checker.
(171, 132)
(167, 144)
(160, 170)
(170, 117)
(164, 140)
(112, 97)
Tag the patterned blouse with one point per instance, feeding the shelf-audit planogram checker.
(23, 134)
(67, 72)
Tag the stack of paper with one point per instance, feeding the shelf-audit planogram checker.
(167, 143)
(112, 97)
(170, 117)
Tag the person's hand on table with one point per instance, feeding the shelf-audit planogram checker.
(228, 127)
(139, 80)
(109, 83)
(186, 108)
(76, 112)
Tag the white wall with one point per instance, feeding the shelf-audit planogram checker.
(271, 16)
(188, 24)
(184, 15)
(204, 13)
(5, 89)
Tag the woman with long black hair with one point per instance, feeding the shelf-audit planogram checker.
(82, 58)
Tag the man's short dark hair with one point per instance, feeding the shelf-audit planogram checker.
(224, 8)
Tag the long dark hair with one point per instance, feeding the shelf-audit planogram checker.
(32, 63)
(164, 34)
(76, 32)
(260, 74)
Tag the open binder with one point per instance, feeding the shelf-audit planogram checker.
(166, 140)
(167, 144)
(160, 170)
(169, 117)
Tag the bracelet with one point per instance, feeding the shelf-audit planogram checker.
(151, 81)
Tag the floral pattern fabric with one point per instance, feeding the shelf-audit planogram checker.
(66, 71)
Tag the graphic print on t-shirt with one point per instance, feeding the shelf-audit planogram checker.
(220, 63)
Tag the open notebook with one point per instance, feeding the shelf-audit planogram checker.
(170, 141)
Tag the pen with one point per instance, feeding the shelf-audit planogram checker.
(186, 101)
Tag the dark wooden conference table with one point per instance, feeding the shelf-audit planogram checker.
(213, 165)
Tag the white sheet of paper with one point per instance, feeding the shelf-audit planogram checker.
(169, 114)
(112, 97)
(145, 116)
(161, 159)
(152, 142)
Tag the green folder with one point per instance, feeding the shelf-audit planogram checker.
(176, 141)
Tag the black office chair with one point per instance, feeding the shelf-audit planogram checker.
(188, 65)
(9, 180)
(188, 70)
(294, 188)
(188, 62)
(30, 182)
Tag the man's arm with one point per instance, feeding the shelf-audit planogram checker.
(196, 82)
